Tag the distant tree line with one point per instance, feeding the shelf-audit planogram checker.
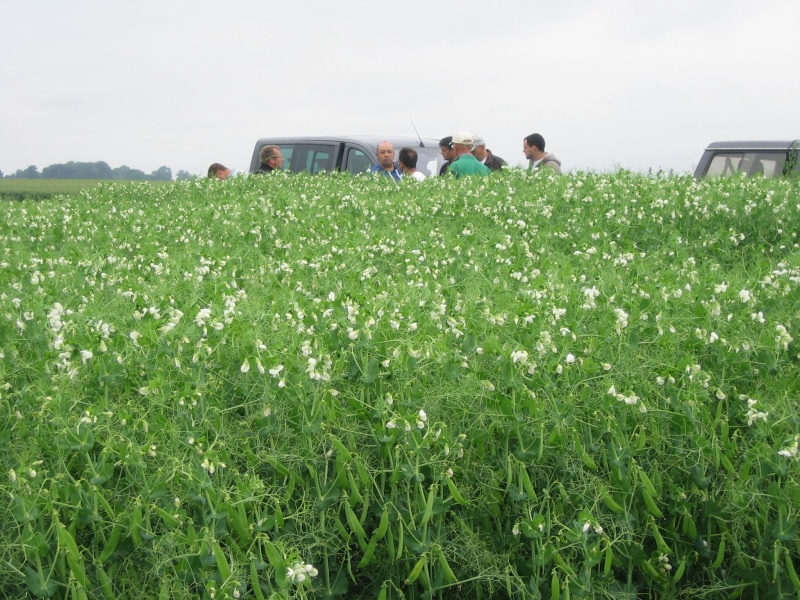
(95, 170)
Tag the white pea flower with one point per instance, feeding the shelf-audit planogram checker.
(299, 571)
(275, 371)
(245, 368)
(791, 451)
(86, 355)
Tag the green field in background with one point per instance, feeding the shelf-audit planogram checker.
(17, 189)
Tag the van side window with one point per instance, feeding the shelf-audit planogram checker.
(357, 161)
(768, 164)
(286, 152)
(308, 158)
(724, 164)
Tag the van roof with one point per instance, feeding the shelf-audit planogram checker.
(371, 140)
(754, 145)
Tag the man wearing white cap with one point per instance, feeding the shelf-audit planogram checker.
(465, 164)
(479, 151)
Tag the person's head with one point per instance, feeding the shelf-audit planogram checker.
(462, 142)
(533, 146)
(219, 171)
(271, 156)
(385, 156)
(479, 147)
(446, 147)
(408, 160)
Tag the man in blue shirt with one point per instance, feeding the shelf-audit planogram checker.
(386, 165)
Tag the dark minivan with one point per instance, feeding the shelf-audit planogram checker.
(356, 154)
(770, 159)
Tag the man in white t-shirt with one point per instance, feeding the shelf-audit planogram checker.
(408, 164)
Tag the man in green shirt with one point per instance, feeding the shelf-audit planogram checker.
(465, 164)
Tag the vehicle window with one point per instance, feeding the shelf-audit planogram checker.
(766, 164)
(286, 152)
(429, 160)
(357, 161)
(310, 158)
(725, 164)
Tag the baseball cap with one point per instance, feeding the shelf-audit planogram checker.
(462, 137)
(477, 141)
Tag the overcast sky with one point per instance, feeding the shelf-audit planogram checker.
(634, 84)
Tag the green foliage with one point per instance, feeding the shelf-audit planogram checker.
(523, 386)
(92, 170)
(40, 189)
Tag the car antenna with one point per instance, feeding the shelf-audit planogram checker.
(421, 145)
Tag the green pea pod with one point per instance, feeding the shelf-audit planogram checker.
(447, 573)
(355, 493)
(651, 504)
(104, 503)
(400, 548)
(585, 457)
(646, 483)
(354, 524)
(679, 571)
(273, 555)
(790, 570)
(341, 448)
(223, 568)
(540, 449)
(383, 525)
(609, 560)
(726, 462)
(555, 586)
(164, 592)
(366, 559)
(74, 557)
(111, 544)
(660, 543)
(525, 483)
(454, 492)
(135, 525)
(168, 519)
(613, 505)
(105, 583)
(390, 545)
(362, 471)
(426, 516)
(414, 574)
(720, 553)
(254, 583)
(650, 570)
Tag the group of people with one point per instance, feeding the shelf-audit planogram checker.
(465, 155)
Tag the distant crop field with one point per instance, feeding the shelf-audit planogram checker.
(326, 387)
(18, 189)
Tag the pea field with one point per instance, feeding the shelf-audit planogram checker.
(333, 387)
